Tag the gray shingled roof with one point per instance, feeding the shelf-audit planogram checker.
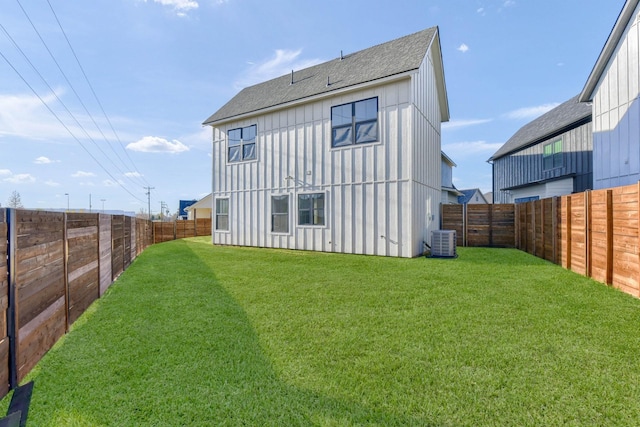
(565, 116)
(377, 62)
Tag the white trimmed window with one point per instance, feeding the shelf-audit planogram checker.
(280, 213)
(222, 214)
(242, 144)
(311, 209)
(354, 123)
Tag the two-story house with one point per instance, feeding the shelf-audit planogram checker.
(343, 156)
(549, 156)
(614, 89)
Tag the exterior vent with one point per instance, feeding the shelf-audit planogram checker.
(443, 243)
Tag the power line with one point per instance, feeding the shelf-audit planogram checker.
(63, 124)
(78, 97)
(94, 92)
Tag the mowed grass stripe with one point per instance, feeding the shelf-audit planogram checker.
(193, 334)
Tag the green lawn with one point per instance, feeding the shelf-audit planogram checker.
(196, 335)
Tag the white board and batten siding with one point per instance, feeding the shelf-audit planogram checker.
(426, 154)
(616, 113)
(366, 186)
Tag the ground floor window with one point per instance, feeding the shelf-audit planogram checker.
(222, 214)
(280, 214)
(311, 209)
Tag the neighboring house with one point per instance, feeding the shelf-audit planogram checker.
(200, 209)
(449, 191)
(343, 156)
(472, 196)
(489, 197)
(613, 87)
(183, 204)
(550, 156)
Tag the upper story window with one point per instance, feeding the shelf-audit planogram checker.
(242, 144)
(354, 123)
(552, 155)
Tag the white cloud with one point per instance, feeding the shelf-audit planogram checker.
(472, 148)
(508, 3)
(456, 124)
(109, 183)
(42, 160)
(154, 144)
(481, 11)
(51, 183)
(20, 178)
(180, 6)
(463, 48)
(82, 174)
(281, 63)
(5, 172)
(133, 174)
(530, 112)
(25, 116)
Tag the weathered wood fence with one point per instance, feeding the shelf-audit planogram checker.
(165, 231)
(595, 233)
(481, 225)
(53, 265)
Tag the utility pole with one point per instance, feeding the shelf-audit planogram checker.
(89, 202)
(148, 193)
(103, 200)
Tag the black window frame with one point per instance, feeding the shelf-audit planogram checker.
(314, 214)
(242, 145)
(220, 214)
(276, 214)
(555, 158)
(351, 128)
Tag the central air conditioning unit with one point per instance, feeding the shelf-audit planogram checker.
(443, 243)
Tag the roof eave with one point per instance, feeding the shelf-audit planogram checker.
(443, 99)
(608, 50)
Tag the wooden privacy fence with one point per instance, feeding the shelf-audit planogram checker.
(481, 225)
(595, 233)
(53, 265)
(165, 231)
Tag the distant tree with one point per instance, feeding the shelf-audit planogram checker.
(14, 200)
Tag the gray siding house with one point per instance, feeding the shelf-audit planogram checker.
(449, 191)
(343, 156)
(550, 156)
(614, 88)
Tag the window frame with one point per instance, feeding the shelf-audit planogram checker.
(312, 210)
(354, 125)
(243, 144)
(218, 214)
(281, 214)
(555, 157)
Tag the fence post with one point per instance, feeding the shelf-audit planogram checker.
(65, 266)
(587, 233)
(554, 229)
(464, 225)
(12, 309)
(609, 219)
(568, 231)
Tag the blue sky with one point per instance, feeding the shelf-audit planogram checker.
(139, 77)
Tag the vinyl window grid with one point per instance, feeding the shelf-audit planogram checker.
(354, 123)
(280, 213)
(242, 144)
(222, 214)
